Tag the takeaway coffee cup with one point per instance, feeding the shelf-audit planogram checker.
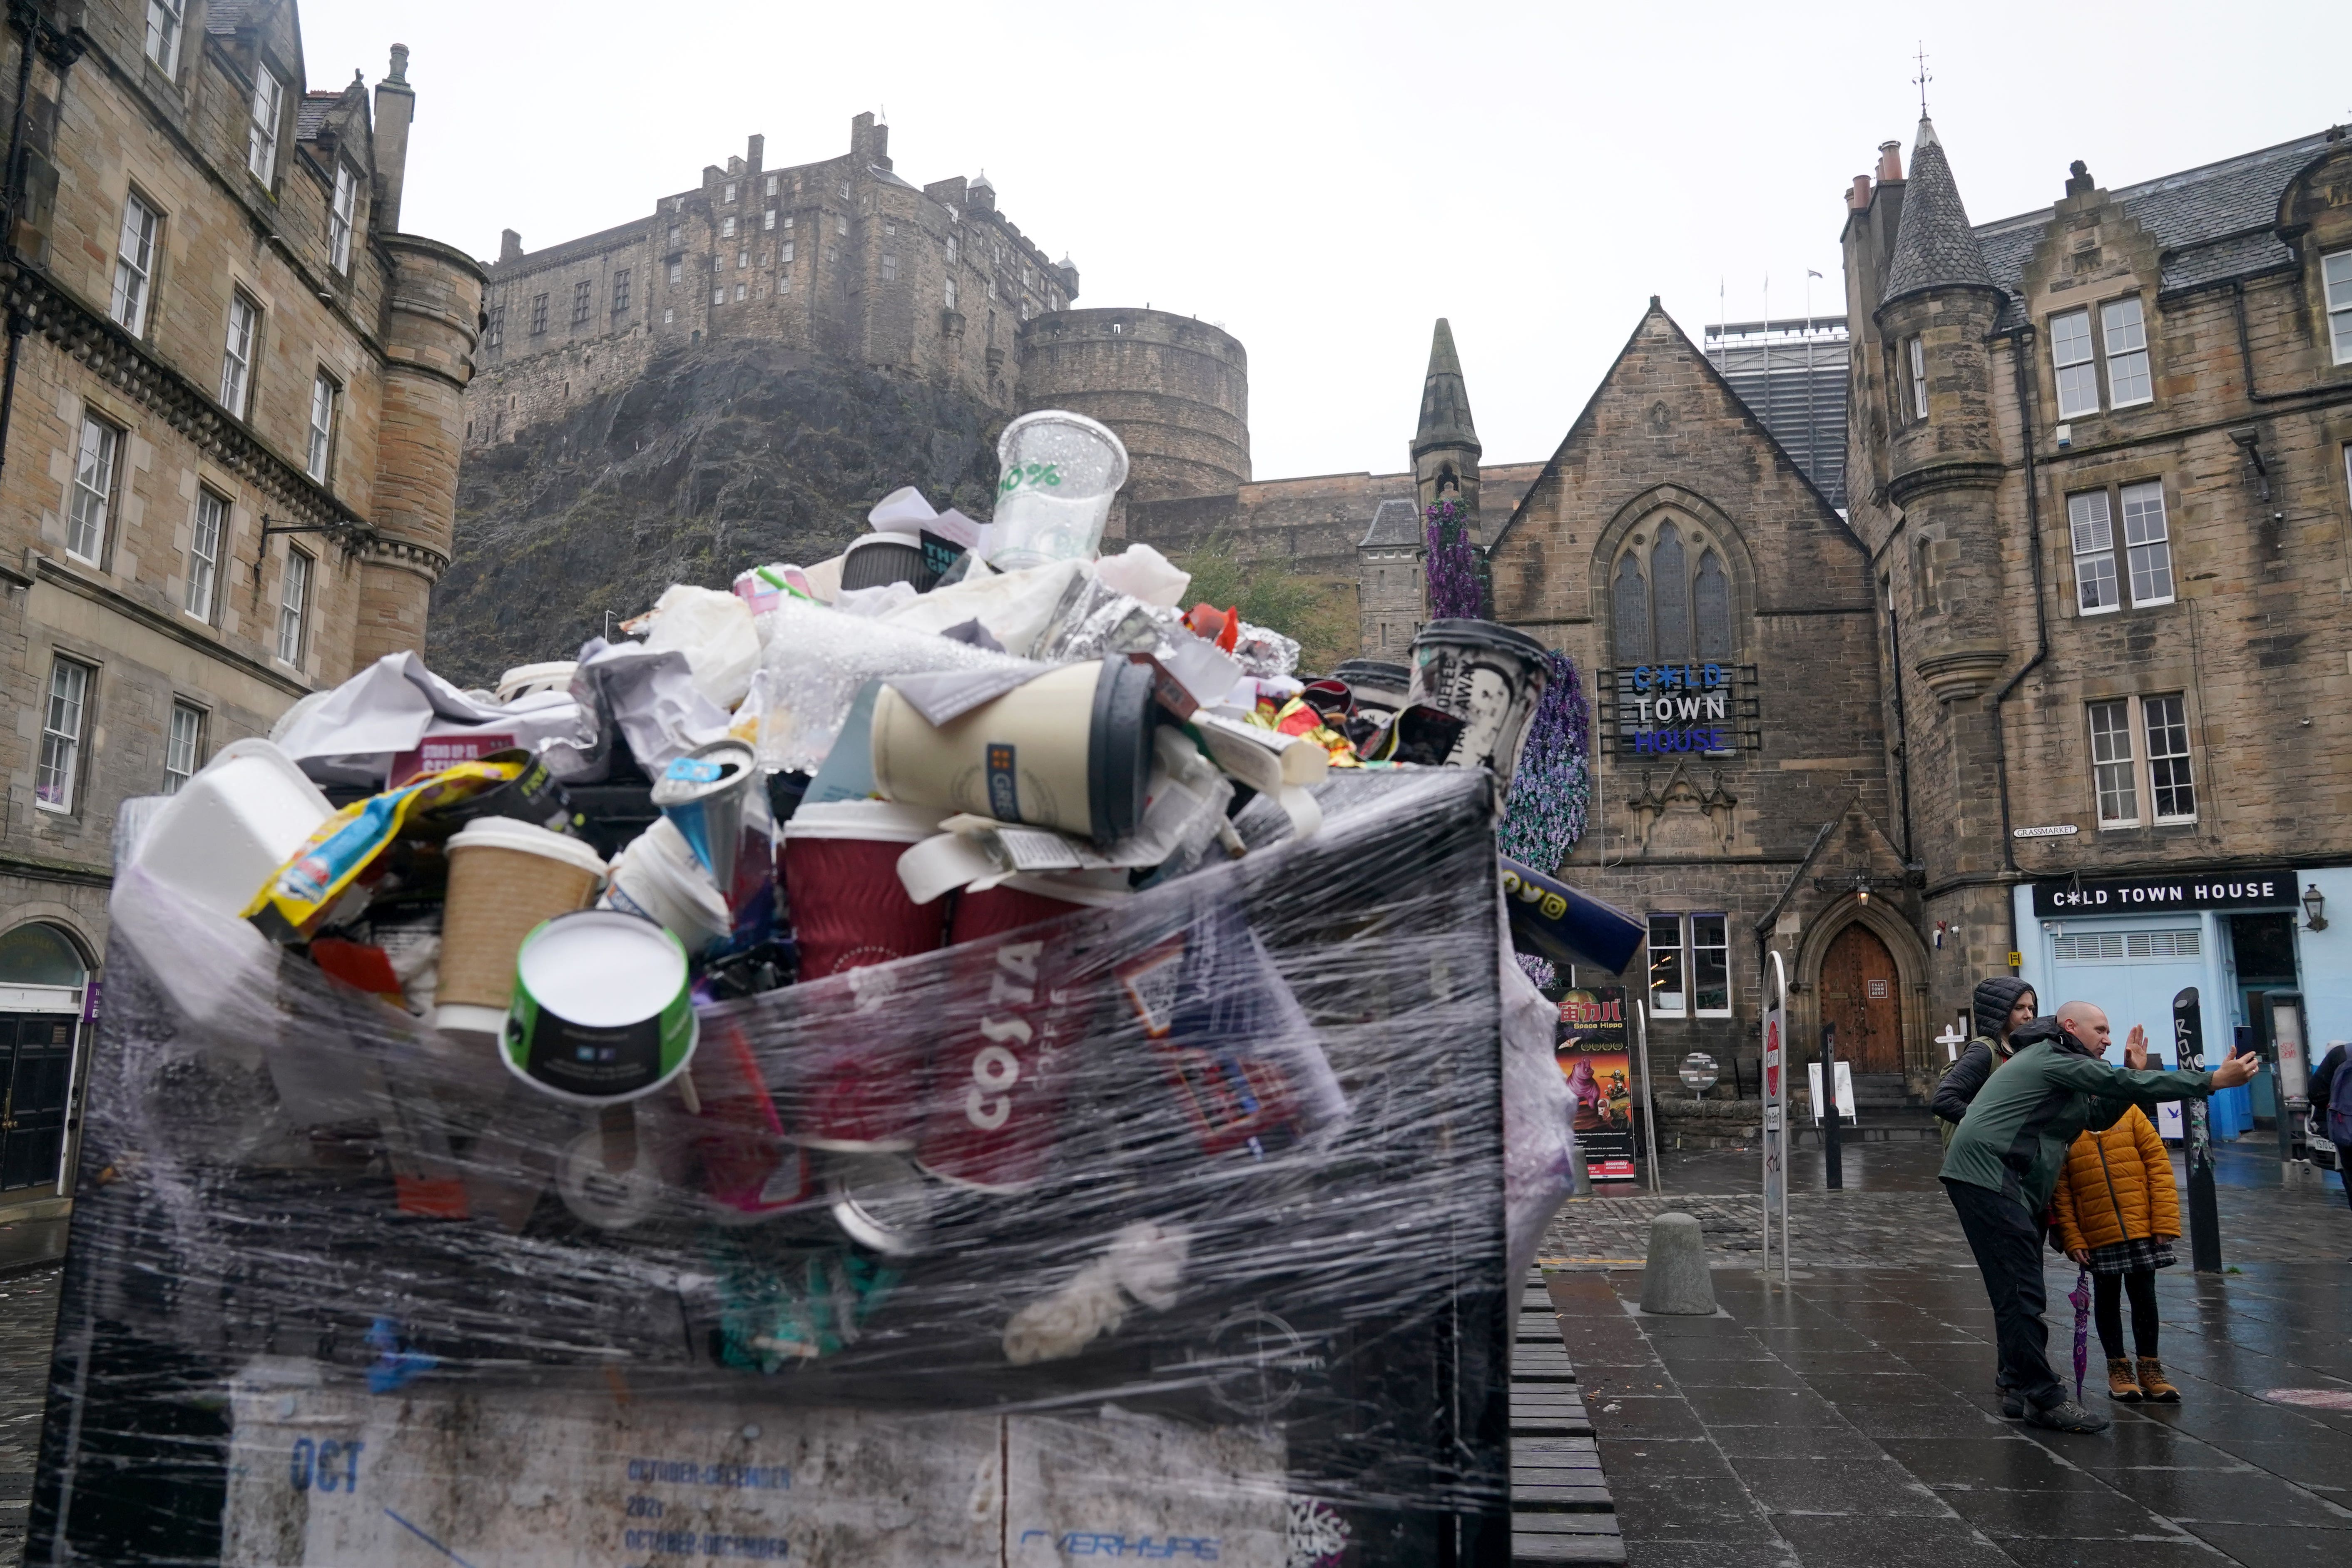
(841, 866)
(1375, 684)
(1488, 676)
(996, 1100)
(504, 877)
(1059, 472)
(878, 560)
(601, 1011)
(1070, 750)
(858, 1077)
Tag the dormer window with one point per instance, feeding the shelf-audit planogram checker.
(2124, 329)
(163, 19)
(2335, 272)
(339, 217)
(261, 135)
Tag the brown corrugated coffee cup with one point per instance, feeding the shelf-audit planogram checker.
(504, 877)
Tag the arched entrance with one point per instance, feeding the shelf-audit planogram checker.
(1863, 996)
(41, 978)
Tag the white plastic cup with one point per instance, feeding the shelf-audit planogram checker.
(1058, 473)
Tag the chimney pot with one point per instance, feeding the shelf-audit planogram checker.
(1890, 160)
(1858, 198)
(400, 64)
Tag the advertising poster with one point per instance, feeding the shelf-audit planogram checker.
(1596, 1057)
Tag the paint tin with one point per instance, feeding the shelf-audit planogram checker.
(601, 1011)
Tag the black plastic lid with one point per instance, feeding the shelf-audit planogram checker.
(1119, 749)
(875, 559)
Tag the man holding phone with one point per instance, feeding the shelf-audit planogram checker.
(2004, 1162)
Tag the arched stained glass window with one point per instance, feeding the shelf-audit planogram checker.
(39, 955)
(1713, 606)
(1630, 609)
(1670, 574)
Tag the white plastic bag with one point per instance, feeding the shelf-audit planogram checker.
(715, 632)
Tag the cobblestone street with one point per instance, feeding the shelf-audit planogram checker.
(1849, 1417)
(28, 1312)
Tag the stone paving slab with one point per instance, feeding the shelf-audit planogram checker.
(1848, 1418)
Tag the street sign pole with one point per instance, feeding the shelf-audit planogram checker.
(1649, 1100)
(1832, 1145)
(1776, 1113)
(2204, 1214)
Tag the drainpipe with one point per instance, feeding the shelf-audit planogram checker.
(1902, 726)
(11, 201)
(2022, 344)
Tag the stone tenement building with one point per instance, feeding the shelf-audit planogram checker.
(232, 427)
(2099, 458)
(843, 257)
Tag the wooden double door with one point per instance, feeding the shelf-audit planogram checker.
(1862, 998)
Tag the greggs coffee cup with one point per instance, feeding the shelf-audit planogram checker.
(1071, 750)
(860, 1079)
(996, 1099)
(504, 877)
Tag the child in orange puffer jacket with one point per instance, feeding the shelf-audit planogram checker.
(2116, 1211)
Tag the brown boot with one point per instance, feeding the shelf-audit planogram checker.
(2152, 1381)
(2120, 1386)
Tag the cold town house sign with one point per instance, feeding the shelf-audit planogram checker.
(1654, 709)
(2266, 887)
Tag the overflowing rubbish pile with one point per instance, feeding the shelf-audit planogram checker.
(946, 1055)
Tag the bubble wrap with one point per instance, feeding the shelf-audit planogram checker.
(815, 660)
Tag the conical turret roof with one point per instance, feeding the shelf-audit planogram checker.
(1934, 247)
(1444, 399)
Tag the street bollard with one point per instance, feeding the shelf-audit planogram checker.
(2204, 1214)
(1676, 1281)
(1833, 1149)
(1580, 1180)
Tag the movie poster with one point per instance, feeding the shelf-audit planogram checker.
(1597, 1058)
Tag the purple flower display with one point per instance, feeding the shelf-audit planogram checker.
(1457, 578)
(1544, 817)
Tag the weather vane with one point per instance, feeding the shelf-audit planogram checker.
(1923, 78)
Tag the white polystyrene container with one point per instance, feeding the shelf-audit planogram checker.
(231, 825)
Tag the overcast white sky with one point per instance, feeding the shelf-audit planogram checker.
(1324, 177)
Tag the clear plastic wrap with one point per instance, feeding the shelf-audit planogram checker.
(1173, 1228)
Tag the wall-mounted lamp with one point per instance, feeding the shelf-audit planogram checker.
(2315, 905)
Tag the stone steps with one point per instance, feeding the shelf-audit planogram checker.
(1562, 1510)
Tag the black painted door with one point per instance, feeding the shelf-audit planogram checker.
(36, 1072)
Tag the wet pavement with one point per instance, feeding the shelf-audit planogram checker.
(29, 1313)
(1848, 1416)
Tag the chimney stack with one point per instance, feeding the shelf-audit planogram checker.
(510, 245)
(1890, 161)
(756, 151)
(395, 108)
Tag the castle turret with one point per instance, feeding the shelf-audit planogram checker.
(1445, 446)
(431, 312)
(1934, 318)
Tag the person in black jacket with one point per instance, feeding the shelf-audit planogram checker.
(2001, 1006)
(2323, 1092)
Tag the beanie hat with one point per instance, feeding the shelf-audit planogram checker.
(1992, 1002)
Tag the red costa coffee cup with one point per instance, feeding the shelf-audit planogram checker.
(860, 1079)
(996, 1095)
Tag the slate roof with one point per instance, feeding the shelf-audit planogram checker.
(1396, 523)
(223, 18)
(310, 115)
(2209, 223)
(1934, 247)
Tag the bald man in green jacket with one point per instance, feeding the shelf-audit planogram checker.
(2004, 1162)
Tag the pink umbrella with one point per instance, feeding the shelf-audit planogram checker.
(2081, 1296)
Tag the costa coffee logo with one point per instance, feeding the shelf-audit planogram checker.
(987, 1098)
